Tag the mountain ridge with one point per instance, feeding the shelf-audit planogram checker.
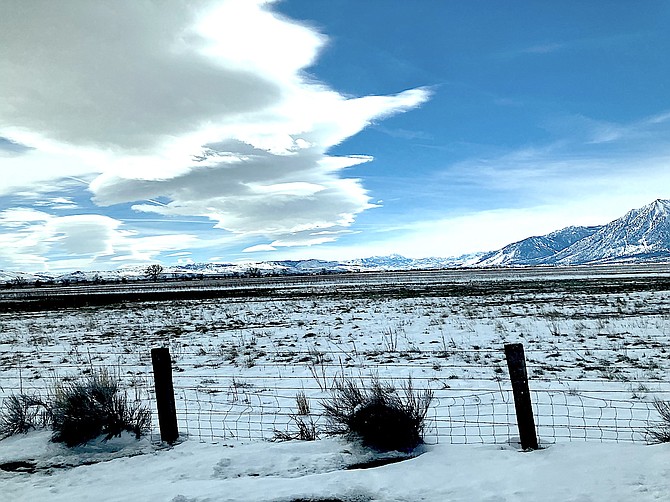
(640, 235)
(537, 249)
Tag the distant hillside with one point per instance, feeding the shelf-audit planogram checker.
(278, 267)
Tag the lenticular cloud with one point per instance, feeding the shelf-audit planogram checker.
(200, 104)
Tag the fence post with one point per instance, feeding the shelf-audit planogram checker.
(516, 363)
(167, 412)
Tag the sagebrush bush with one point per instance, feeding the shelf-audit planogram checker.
(21, 413)
(380, 417)
(82, 411)
(661, 432)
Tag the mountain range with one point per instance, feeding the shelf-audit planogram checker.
(640, 236)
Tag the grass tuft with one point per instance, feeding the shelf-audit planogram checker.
(21, 413)
(305, 428)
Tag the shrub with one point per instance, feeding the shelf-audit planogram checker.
(661, 432)
(305, 428)
(378, 416)
(21, 413)
(83, 411)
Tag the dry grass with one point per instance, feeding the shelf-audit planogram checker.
(660, 433)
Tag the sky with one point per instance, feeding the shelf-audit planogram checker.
(136, 132)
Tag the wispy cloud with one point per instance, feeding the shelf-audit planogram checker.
(543, 48)
(539, 49)
(9, 148)
(63, 203)
(404, 133)
(595, 160)
(581, 130)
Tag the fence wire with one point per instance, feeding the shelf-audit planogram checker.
(218, 403)
(482, 418)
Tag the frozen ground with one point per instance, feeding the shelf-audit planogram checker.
(199, 472)
(597, 354)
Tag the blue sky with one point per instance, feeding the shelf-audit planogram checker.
(242, 130)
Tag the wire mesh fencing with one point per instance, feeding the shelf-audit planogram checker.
(482, 418)
(219, 402)
(490, 417)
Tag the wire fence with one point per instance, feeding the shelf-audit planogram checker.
(482, 418)
(559, 416)
(218, 399)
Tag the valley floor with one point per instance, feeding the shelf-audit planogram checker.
(597, 347)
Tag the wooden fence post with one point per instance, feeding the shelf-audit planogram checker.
(167, 412)
(516, 363)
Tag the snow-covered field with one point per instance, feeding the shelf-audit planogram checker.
(597, 358)
(298, 471)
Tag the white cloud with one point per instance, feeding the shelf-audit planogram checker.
(259, 247)
(123, 74)
(63, 203)
(21, 217)
(200, 104)
(36, 239)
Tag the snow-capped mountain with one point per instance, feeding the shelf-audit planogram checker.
(398, 262)
(641, 235)
(536, 250)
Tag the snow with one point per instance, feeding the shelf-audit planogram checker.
(587, 350)
(199, 472)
